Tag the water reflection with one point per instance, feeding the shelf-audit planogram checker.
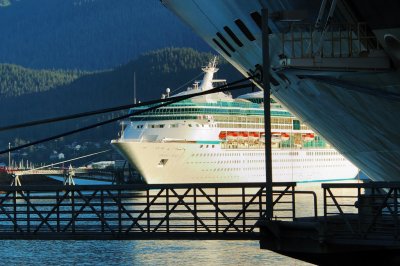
(139, 253)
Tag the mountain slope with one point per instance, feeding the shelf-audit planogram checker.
(155, 71)
(16, 80)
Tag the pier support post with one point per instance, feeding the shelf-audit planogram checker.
(16, 181)
(69, 178)
(267, 112)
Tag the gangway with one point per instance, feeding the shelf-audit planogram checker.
(174, 211)
(68, 173)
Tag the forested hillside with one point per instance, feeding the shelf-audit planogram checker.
(87, 34)
(16, 80)
(5, 3)
(155, 71)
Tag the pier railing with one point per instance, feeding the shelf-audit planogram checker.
(362, 211)
(206, 211)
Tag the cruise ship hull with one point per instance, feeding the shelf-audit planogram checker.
(174, 162)
(362, 128)
(352, 102)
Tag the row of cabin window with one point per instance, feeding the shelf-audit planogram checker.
(215, 154)
(231, 111)
(174, 125)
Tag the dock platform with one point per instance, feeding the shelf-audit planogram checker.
(360, 223)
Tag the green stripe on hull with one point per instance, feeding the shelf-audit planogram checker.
(208, 142)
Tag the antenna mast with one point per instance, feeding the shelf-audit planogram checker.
(134, 87)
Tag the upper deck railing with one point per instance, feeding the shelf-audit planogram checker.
(340, 40)
(365, 211)
(350, 46)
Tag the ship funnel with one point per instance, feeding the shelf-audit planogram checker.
(209, 70)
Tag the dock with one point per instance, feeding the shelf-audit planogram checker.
(360, 222)
(41, 176)
(176, 211)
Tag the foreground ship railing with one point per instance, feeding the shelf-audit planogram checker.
(349, 45)
(360, 223)
(362, 211)
(341, 40)
(210, 211)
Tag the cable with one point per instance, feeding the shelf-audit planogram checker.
(166, 102)
(96, 112)
(66, 161)
(184, 84)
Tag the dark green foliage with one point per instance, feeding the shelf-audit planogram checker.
(16, 80)
(5, 3)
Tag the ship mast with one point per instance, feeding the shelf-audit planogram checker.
(134, 87)
(209, 71)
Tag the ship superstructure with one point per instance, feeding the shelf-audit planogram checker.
(216, 138)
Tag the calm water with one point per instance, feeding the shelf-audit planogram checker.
(194, 252)
(139, 253)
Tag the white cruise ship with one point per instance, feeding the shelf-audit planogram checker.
(215, 138)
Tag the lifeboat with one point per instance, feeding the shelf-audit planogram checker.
(262, 137)
(308, 137)
(285, 136)
(222, 135)
(243, 136)
(276, 137)
(231, 136)
(253, 136)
